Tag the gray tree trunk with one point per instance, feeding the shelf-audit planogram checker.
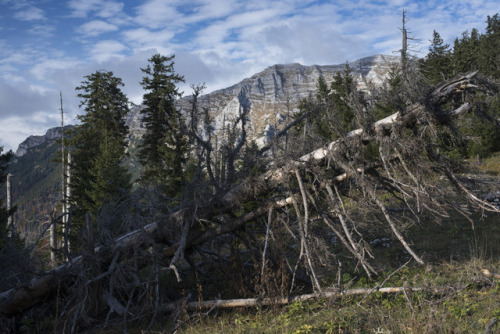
(10, 226)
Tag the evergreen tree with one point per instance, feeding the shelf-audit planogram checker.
(322, 90)
(342, 87)
(437, 65)
(393, 93)
(322, 108)
(331, 114)
(163, 152)
(98, 178)
(466, 52)
(490, 48)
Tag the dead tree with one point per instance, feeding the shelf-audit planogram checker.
(333, 189)
(10, 225)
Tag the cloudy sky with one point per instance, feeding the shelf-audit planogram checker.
(47, 46)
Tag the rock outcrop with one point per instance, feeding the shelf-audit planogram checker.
(33, 141)
(273, 94)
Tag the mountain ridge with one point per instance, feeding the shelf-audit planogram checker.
(271, 95)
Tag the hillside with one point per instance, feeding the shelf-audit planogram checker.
(35, 182)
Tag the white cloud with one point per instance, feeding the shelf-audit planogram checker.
(143, 39)
(30, 13)
(100, 8)
(81, 8)
(97, 27)
(105, 50)
(157, 13)
(44, 68)
(209, 10)
(19, 103)
(110, 9)
(42, 30)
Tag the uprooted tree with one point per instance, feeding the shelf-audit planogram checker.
(251, 223)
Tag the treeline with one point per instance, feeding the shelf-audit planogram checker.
(472, 51)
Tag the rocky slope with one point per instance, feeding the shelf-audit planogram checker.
(33, 141)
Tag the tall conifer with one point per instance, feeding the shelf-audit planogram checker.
(437, 65)
(99, 146)
(164, 149)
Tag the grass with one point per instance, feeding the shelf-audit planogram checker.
(490, 165)
(459, 310)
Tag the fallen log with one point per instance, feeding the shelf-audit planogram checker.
(25, 296)
(251, 302)
(272, 178)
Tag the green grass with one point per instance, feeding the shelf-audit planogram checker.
(490, 165)
(465, 310)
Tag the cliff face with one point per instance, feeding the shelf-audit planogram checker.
(33, 141)
(273, 94)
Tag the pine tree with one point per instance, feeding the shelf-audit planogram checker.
(342, 87)
(163, 152)
(437, 65)
(330, 113)
(98, 178)
(322, 89)
(466, 53)
(393, 88)
(490, 46)
(323, 106)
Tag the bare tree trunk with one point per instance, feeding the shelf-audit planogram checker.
(251, 302)
(53, 241)
(66, 206)
(10, 225)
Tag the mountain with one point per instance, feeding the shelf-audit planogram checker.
(35, 182)
(271, 96)
(32, 141)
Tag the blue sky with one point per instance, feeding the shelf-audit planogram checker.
(47, 46)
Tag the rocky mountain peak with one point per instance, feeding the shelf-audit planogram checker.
(33, 141)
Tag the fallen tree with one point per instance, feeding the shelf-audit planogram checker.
(323, 199)
(252, 302)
